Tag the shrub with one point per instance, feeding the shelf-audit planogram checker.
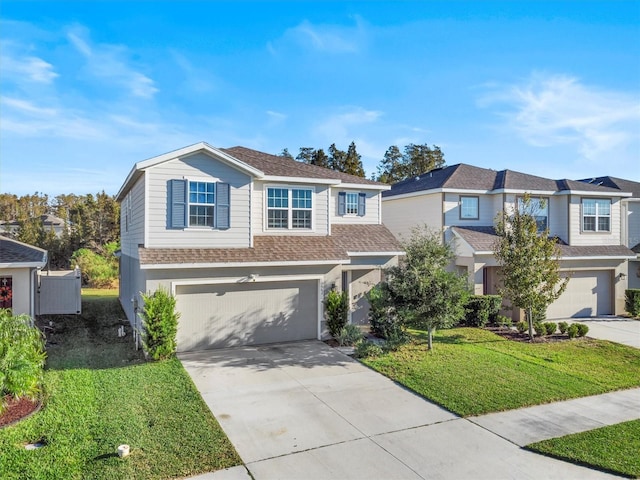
(367, 349)
(540, 328)
(550, 327)
(97, 271)
(481, 309)
(562, 326)
(349, 335)
(582, 329)
(160, 324)
(504, 322)
(22, 356)
(336, 309)
(382, 318)
(395, 341)
(572, 331)
(522, 326)
(632, 301)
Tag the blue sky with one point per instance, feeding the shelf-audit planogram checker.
(89, 88)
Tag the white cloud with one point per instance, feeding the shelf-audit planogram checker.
(109, 62)
(28, 68)
(339, 127)
(324, 37)
(561, 110)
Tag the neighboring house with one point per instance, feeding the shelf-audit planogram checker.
(19, 264)
(630, 220)
(49, 222)
(249, 243)
(462, 201)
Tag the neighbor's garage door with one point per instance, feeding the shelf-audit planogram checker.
(588, 294)
(218, 316)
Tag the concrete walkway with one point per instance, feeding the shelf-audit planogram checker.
(305, 410)
(616, 329)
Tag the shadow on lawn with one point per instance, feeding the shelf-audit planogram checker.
(89, 340)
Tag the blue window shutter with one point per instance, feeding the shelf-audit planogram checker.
(178, 203)
(342, 203)
(362, 204)
(223, 205)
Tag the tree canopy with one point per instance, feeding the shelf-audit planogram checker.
(415, 160)
(349, 161)
(424, 294)
(529, 261)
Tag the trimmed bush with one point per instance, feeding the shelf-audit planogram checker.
(160, 323)
(349, 335)
(562, 326)
(540, 329)
(22, 357)
(522, 326)
(632, 301)
(367, 349)
(481, 310)
(336, 310)
(582, 329)
(572, 330)
(504, 322)
(550, 327)
(395, 340)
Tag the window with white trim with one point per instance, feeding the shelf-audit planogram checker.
(469, 208)
(289, 208)
(596, 215)
(538, 208)
(201, 204)
(351, 203)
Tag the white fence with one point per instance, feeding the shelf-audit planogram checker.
(59, 293)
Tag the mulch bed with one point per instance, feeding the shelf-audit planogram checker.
(515, 336)
(17, 409)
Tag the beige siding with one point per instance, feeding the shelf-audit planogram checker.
(558, 217)
(401, 215)
(486, 210)
(320, 202)
(590, 238)
(199, 167)
(371, 209)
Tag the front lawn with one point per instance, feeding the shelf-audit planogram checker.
(615, 448)
(472, 371)
(100, 393)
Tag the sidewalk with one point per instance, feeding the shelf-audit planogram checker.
(533, 424)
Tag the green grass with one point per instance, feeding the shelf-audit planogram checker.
(472, 371)
(93, 293)
(100, 393)
(615, 448)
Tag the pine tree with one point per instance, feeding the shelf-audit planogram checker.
(353, 162)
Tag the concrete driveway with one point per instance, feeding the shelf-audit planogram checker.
(617, 329)
(305, 410)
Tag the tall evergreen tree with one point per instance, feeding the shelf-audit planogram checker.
(353, 161)
(320, 159)
(305, 155)
(390, 169)
(285, 153)
(415, 160)
(337, 158)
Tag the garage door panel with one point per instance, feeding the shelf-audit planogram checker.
(217, 316)
(588, 294)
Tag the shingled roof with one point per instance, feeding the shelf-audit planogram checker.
(344, 240)
(287, 167)
(617, 183)
(483, 239)
(16, 253)
(468, 177)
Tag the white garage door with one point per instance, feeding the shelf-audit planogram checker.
(588, 294)
(218, 316)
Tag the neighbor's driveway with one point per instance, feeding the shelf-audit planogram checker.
(305, 410)
(617, 329)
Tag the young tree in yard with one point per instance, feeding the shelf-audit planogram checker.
(424, 293)
(529, 259)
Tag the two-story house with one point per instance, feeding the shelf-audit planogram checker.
(462, 201)
(249, 243)
(630, 220)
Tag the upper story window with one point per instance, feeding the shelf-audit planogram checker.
(289, 208)
(201, 204)
(352, 203)
(469, 208)
(596, 215)
(538, 208)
